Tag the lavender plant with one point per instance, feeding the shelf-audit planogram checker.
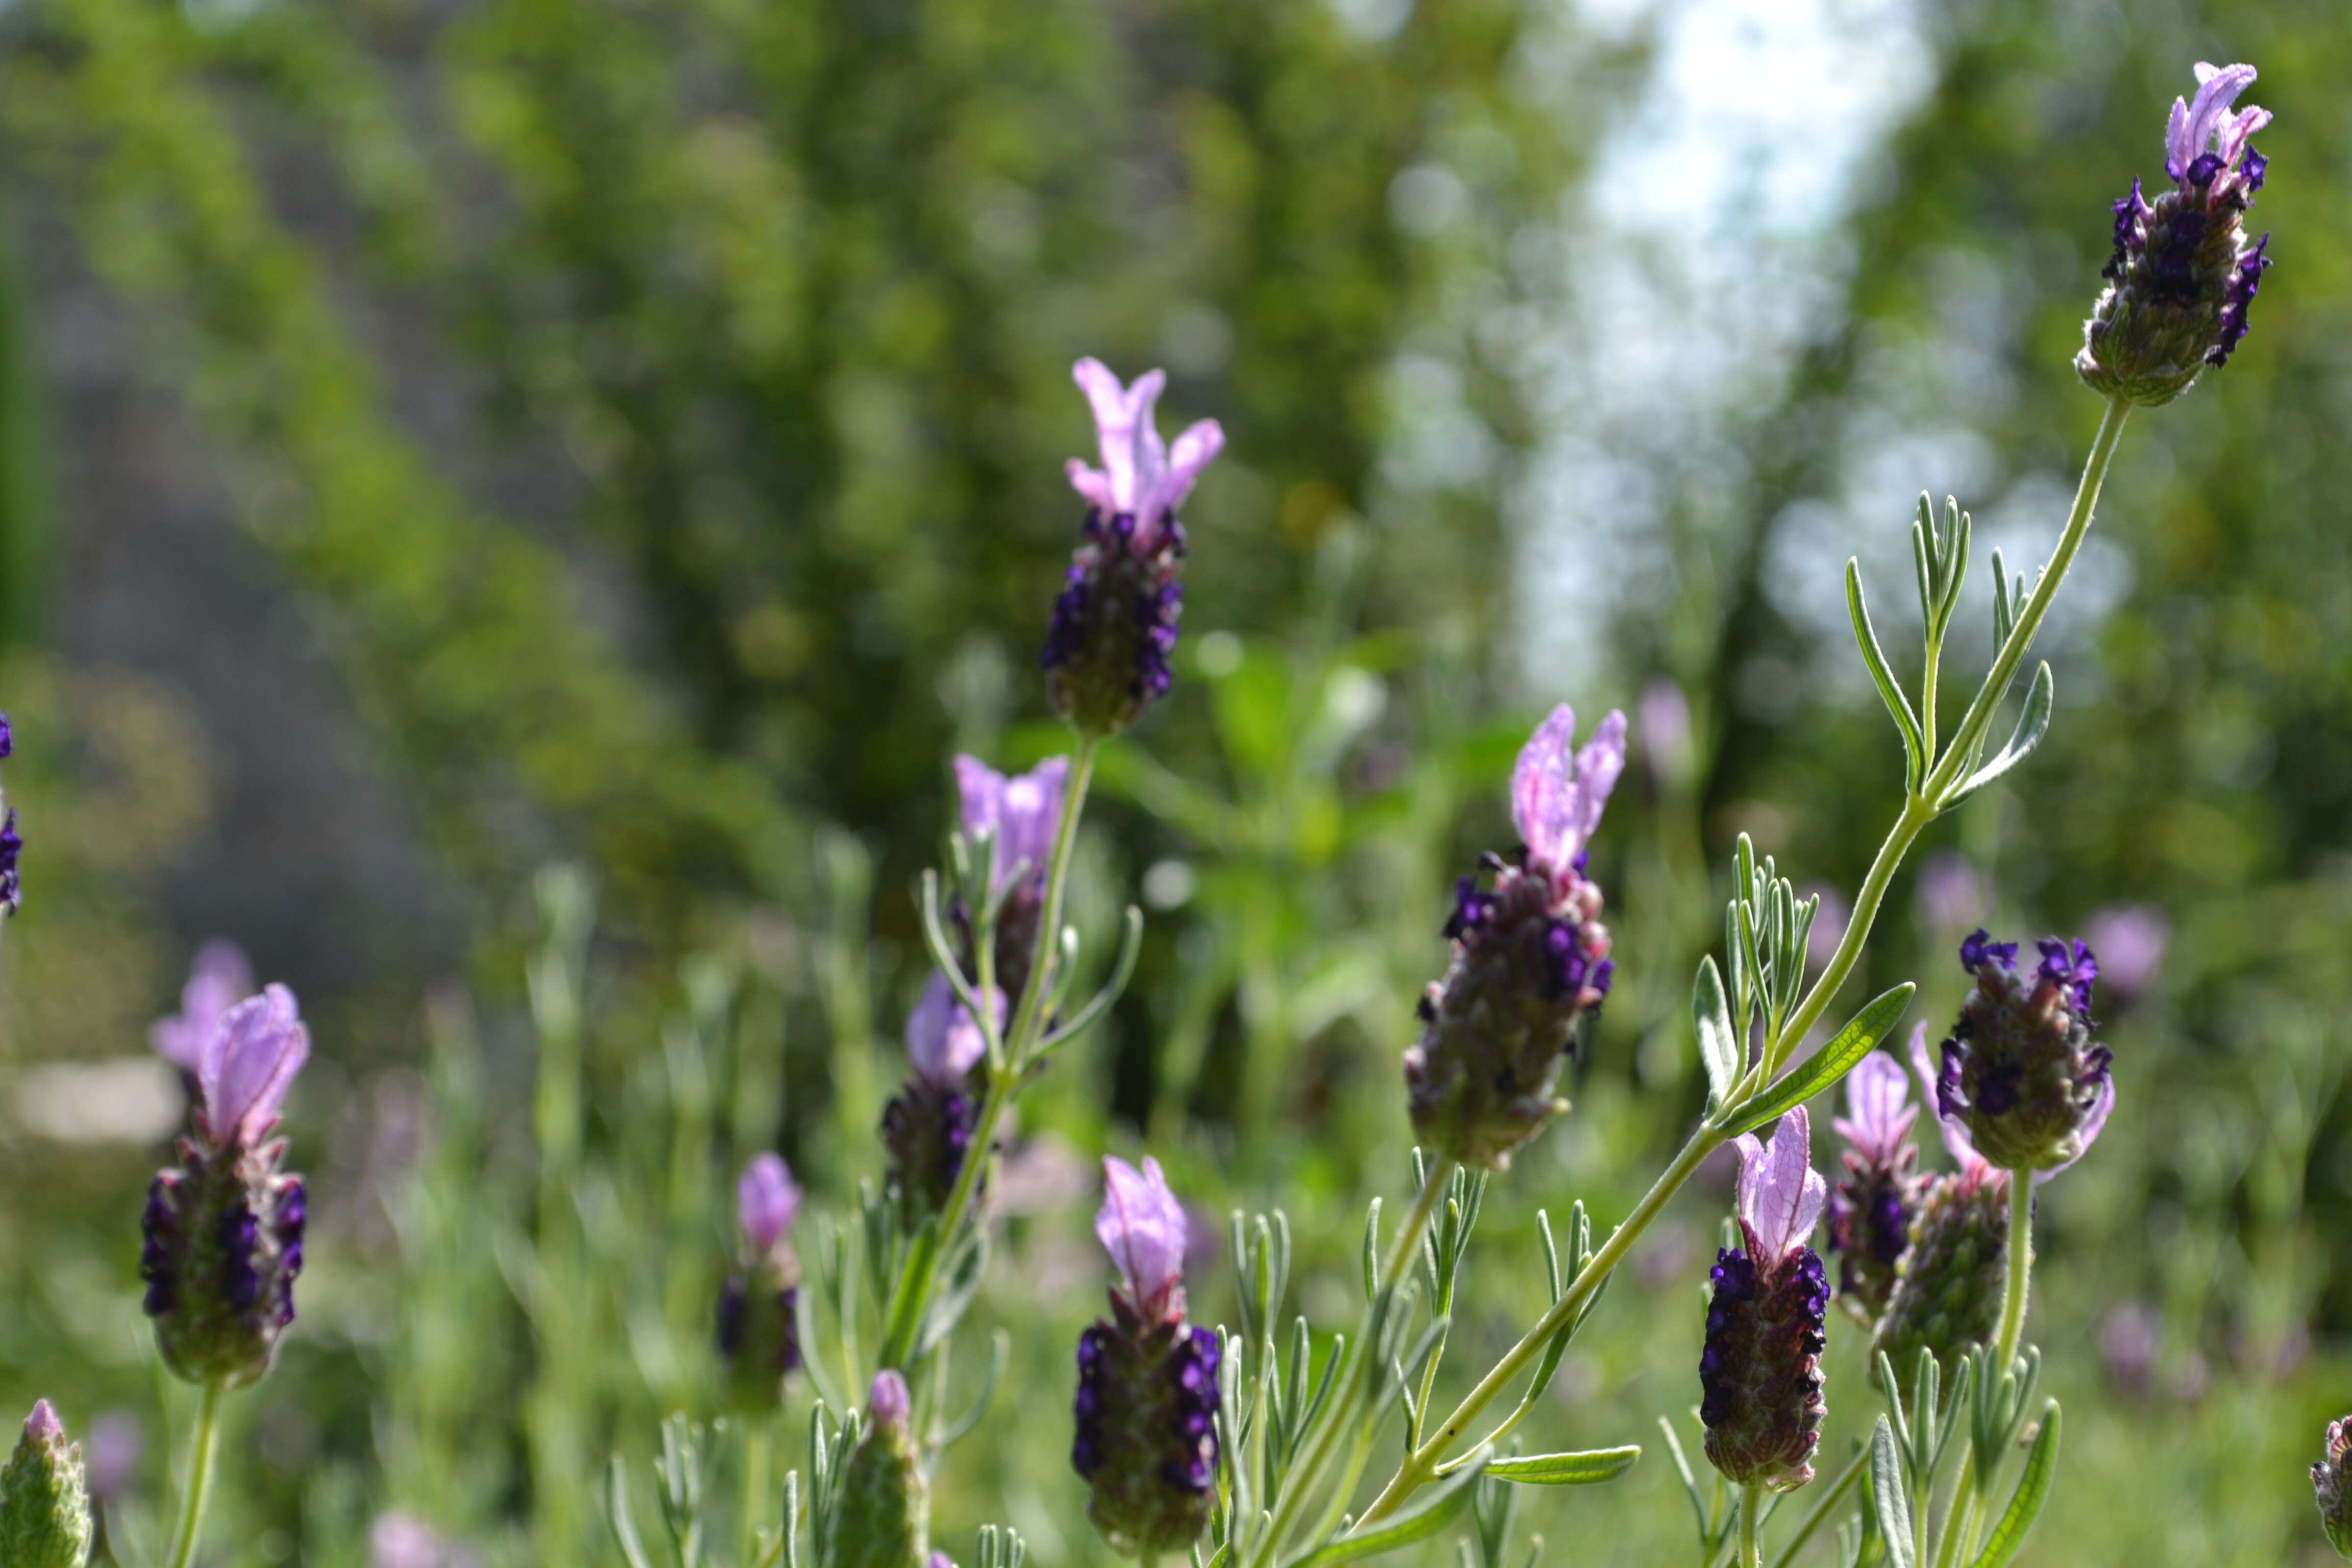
(1253, 1444)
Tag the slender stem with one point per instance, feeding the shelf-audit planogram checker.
(2020, 1269)
(1916, 815)
(1425, 1208)
(1826, 1506)
(1972, 725)
(1421, 1465)
(200, 1476)
(1751, 1503)
(911, 1300)
(755, 1486)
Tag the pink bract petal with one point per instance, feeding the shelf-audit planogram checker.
(1780, 1194)
(943, 1040)
(246, 1067)
(1877, 1099)
(218, 980)
(1557, 793)
(1142, 1226)
(766, 1200)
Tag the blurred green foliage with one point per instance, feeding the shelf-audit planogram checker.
(773, 307)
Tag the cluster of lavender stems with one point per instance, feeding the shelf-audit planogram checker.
(1154, 1436)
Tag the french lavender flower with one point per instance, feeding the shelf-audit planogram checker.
(1760, 1373)
(223, 1229)
(218, 980)
(759, 1323)
(2183, 275)
(1147, 1399)
(1529, 959)
(1114, 625)
(2020, 1070)
(11, 844)
(2331, 1485)
(928, 1125)
(1020, 813)
(1871, 1203)
(44, 1508)
(884, 1519)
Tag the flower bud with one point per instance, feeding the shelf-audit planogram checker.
(759, 1323)
(1114, 625)
(222, 1233)
(1947, 1294)
(928, 1125)
(2183, 275)
(2331, 1485)
(1760, 1373)
(1020, 816)
(884, 1519)
(44, 1510)
(1530, 958)
(2021, 1071)
(1872, 1201)
(1146, 1406)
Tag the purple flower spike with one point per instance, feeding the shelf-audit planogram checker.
(1141, 477)
(943, 1040)
(219, 979)
(1878, 1103)
(1022, 812)
(1557, 793)
(248, 1064)
(1780, 1194)
(1142, 1226)
(766, 1200)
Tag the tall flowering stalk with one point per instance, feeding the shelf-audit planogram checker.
(222, 1230)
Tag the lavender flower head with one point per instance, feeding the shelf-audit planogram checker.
(2183, 275)
(2020, 1070)
(11, 844)
(222, 1232)
(218, 980)
(1871, 1203)
(1021, 815)
(928, 1125)
(759, 1337)
(1760, 1371)
(1146, 1404)
(2331, 1486)
(45, 1518)
(1114, 625)
(1529, 959)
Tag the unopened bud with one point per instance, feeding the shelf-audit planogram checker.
(44, 1508)
(883, 1520)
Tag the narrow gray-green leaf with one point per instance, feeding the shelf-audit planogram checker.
(1829, 1063)
(1718, 1042)
(1566, 1469)
(1443, 1502)
(1886, 1494)
(1898, 705)
(2032, 724)
(2033, 1489)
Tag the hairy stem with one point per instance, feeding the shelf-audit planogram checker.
(911, 1300)
(2020, 1269)
(200, 1476)
(1826, 1505)
(1751, 1503)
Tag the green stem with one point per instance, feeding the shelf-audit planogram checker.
(1421, 1465)
(1416, 1223)
(2020, 1270)
(755, 1486)
(911, 1302)
(200, 1476)
(1826, 1506)
(1916, 815)
(1751, 1503)
(1972, 725)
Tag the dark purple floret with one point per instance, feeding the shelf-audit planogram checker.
(2254, 166)
(2071, 966)
(156, 1225)
(11, 846)
(1113, 631)
(2245, 280)
(7, 736)
(1145, 1412)
(1760, 1371)
(1978, 947)
(927, 1128)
